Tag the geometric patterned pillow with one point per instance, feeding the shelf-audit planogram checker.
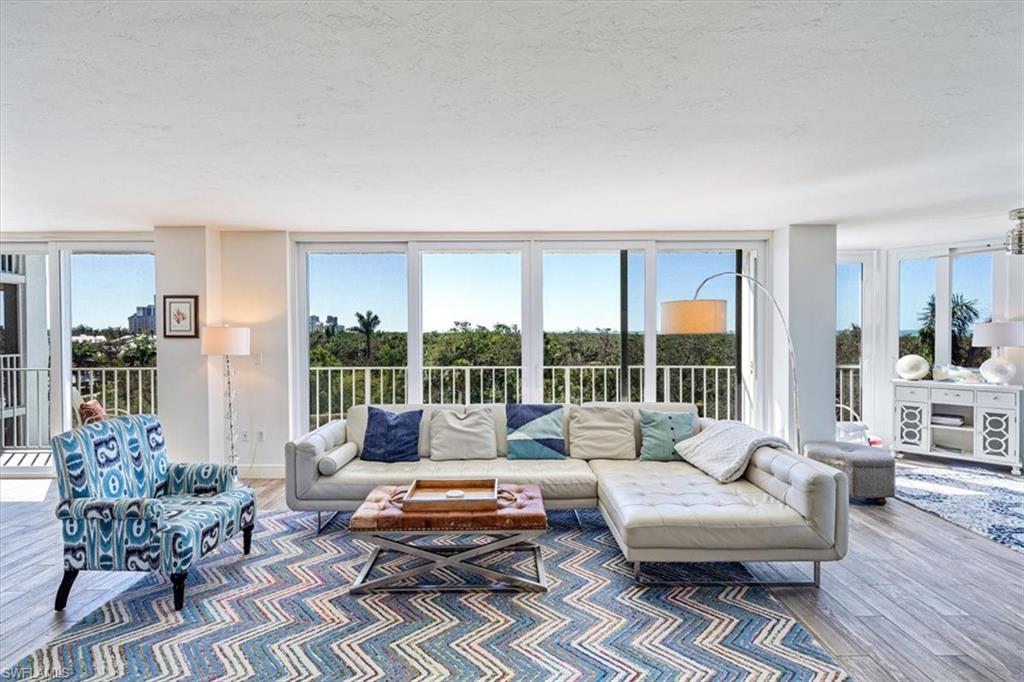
(535, 431)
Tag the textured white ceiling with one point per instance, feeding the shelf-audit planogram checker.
(901, 122)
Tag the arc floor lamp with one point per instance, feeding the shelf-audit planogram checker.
(708, 316)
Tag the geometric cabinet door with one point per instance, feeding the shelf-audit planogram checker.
(912, 425)
(996, 433)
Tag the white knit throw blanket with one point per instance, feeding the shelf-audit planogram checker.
(722, 449)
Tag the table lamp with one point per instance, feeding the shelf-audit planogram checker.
(995, 335)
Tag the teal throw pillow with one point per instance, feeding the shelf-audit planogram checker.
(660, 431)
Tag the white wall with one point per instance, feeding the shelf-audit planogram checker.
(803, 280)
(187, 263)
(255, 293)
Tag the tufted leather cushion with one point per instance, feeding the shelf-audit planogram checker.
(675, 505)
(324, 439)
(380, 513)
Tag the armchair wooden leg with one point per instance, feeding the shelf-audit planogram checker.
(65, 589)
(178, 581)
(247, 539)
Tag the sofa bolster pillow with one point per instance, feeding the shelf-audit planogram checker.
(329, 463)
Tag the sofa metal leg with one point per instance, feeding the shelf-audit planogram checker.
(65, 589)
(178, 582)
(814, 582)
(247, 539)
(579, 521)
(320, 525)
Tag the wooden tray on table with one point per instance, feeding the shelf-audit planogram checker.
(433, 495)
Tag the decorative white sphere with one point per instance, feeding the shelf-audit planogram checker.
(912, 367)
(998, 370)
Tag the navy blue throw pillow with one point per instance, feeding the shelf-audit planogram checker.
(392, 437)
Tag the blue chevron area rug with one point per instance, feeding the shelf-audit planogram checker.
(284, 612)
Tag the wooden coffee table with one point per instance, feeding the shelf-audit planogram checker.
(513, 527)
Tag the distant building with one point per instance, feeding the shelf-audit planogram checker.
(314, 323)
(332, 323)
(143, 319)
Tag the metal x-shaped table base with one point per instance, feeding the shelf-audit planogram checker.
(452, 556)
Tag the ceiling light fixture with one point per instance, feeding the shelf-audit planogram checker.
(1015, 237)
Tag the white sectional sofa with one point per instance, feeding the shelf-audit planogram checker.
(785, 507)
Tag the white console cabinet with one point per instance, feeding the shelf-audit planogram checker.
(991, 428)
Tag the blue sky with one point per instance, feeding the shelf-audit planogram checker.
(581, 290)
(848, 294)
(107, 287)
(971, 275)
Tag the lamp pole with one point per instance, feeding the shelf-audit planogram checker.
(789, 340)
(229, 375)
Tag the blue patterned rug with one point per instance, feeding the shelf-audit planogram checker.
(977, 499)
(285, 612)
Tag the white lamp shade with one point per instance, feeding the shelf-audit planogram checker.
(998, 334)
(701, 316)
(225, 341)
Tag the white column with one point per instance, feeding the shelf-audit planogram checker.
(255, 293)
(804, 282)
(414, 335)
(189, 387)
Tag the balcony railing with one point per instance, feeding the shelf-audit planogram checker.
(25, 393)
(333, 390)
(121, 390)
(848, 392)
(24, 405)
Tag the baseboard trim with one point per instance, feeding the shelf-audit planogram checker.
(261, 471)
(27, 472)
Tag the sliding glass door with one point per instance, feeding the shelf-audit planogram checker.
(24, 359)
(849, 340)
(113, 332)
(593, 317)
(356, 320)
(541, 321)
(472, 326)
(698, 362)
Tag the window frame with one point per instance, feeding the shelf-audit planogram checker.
(531, 249)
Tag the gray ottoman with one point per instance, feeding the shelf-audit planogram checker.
(872, 471)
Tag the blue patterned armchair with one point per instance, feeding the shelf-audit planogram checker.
(123, 507)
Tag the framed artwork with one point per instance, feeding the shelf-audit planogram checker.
(180, 317)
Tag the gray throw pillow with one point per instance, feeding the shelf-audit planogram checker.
(598, 432)
(463, 436)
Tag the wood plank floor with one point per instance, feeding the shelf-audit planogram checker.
(916, 598)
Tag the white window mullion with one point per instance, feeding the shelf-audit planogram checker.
(60, 339)
(533, 323)
(414, 362)
(650, 323)
(943, 312)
